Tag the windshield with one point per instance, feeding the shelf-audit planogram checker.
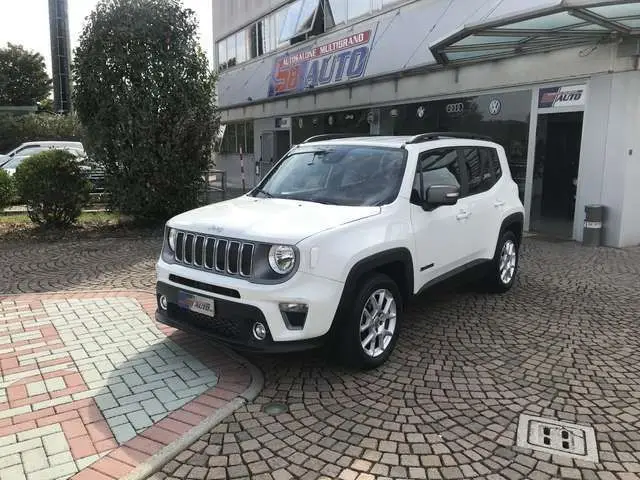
(23, 154)
(14, 162)
(344, 175)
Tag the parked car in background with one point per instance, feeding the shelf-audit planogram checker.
(15, 157)
(95, 173)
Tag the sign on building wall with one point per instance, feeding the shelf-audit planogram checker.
(327, 64)
(565, 96)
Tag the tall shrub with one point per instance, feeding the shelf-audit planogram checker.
(7, 191)
(145, 96)
(53, 187)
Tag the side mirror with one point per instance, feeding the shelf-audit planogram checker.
(438, 195)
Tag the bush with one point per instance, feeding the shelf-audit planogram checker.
(53, 187)
(7, 191)
(146, 98)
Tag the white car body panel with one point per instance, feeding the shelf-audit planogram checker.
(332, 239)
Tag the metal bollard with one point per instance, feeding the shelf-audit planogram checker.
(592, 231)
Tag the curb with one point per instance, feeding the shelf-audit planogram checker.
(166, 454)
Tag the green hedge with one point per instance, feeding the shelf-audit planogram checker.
(53, 187)
(17, 129)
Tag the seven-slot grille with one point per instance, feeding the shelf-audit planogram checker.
(231, 257)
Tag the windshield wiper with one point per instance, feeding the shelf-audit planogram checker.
(260, 190)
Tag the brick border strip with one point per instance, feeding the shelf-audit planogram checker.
(150, 450)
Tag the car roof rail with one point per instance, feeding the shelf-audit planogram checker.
(431, 136)
(334, 136)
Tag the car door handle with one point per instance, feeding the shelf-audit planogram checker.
(462, 215)
(498, 203)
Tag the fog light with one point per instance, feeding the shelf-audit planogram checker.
(259, 331)
(163, 302)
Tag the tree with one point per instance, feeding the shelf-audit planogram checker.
(144, 94)
(23, 77)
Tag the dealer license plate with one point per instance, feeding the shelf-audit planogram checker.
(197, 304)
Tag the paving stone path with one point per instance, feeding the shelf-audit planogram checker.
(564, 344)
(89, 383)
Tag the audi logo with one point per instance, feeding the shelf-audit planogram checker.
(455, 107)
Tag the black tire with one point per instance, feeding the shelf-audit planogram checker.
(494, 281)
(350, 350)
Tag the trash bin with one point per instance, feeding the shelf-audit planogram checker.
(593, 219)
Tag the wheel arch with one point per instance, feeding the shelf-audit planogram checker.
(513, 223)
(396, 263)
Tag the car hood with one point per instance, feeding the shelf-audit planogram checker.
(271, 220)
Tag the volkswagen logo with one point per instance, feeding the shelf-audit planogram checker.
(495, 106)
(420, 111)
(455, 107)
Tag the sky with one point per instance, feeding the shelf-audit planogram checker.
(26, 22)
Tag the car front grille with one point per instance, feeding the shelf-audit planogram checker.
(220, 255)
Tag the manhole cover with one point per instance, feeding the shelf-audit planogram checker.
(558, 438)
(275, 408)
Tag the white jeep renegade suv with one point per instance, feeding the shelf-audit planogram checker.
(337, 238)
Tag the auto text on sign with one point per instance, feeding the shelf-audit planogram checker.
(333, 62)
(566, 96)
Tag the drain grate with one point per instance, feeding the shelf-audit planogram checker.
(275, 408)
(558, 438)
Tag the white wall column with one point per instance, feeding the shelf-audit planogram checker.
(609, 172)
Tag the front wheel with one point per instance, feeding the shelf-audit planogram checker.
(370, 330)
(502, 271)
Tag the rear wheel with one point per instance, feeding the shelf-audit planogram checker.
(502, 271)
(370, 330)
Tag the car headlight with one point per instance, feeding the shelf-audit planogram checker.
(282, 259)
(173, 235)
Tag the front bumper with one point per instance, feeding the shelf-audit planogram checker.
(232, 324)
(239, 304)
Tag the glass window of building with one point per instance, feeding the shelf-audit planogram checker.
(253, 40)
(335, 12)
(280, 20)
(231, 51)
(222, 54)
(249, 148)
(268, 27)
(358, 8)
(504, 117)
(307, 16)
(241, 46)
(290, 20)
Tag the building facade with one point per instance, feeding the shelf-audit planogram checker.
(556, 82)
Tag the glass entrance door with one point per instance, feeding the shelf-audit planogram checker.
(555, 174)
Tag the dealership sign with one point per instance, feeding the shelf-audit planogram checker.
(326, 64)
(567, 96)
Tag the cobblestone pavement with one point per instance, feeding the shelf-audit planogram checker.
(85, 376)
(563, 344)
(80, 265)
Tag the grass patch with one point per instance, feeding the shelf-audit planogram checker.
(84, 219)
(18, 227)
